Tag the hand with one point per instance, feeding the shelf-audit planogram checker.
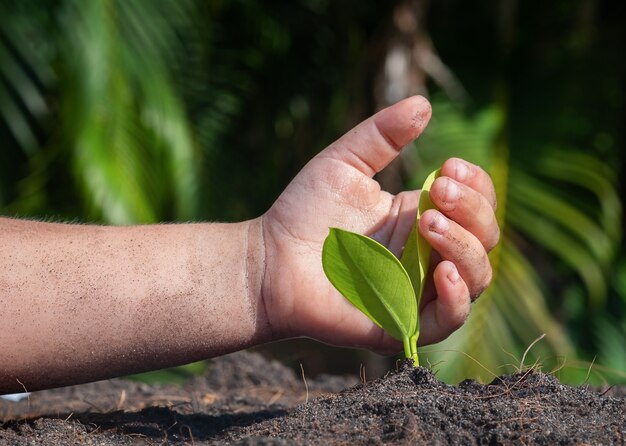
(336, 189)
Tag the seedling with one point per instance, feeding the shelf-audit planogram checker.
(387, 289)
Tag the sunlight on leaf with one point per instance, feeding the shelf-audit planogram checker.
(372, 279)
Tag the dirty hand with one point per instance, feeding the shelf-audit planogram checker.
(336, 189)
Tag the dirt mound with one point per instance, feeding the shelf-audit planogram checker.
(245, 399)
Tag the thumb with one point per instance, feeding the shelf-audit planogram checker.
(375, 142)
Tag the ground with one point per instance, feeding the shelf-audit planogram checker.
(246, 399)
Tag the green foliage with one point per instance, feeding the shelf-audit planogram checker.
(127, 120)
(117, 115)
(371, 277)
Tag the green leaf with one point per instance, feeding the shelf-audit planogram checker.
(423, 248)
(416, 255)
(376, 282)
(372, 279)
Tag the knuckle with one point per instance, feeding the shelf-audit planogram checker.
(454, 324)
(479, 204)
(456, 320)
(494, 239)
(483, 283)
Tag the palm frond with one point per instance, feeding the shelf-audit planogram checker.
(540, 199)
(134, 150)
(23, 75)
(586, 171)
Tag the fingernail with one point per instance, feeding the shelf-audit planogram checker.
(453, 274)
(439, 223)
(461, 171)
(452, 192)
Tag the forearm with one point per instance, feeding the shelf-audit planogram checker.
(81, 303)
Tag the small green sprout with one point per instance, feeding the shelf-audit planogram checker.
(387, 289)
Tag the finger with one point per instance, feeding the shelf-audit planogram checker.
(459, 246)
(446, 313)
(375, 142)
(399, 222)
(468, 208)
(472, 176)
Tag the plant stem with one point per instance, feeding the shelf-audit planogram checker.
(407, 347)
(410, 349)
(414, 356)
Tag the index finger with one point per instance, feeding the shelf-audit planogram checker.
(472, 176)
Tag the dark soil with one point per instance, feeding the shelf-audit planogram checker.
(245, 399)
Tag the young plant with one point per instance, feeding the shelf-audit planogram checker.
(387, 289)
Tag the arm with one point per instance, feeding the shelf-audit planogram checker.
(81, 303)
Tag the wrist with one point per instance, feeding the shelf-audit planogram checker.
(257, 279)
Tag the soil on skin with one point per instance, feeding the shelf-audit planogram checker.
(246, 399)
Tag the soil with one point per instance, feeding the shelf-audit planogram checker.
(247, 400)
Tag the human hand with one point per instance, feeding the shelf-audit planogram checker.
(336, 189)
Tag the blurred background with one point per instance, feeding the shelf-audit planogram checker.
(122, 112)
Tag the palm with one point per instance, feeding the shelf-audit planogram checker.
(338, 195)
(336, 189)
